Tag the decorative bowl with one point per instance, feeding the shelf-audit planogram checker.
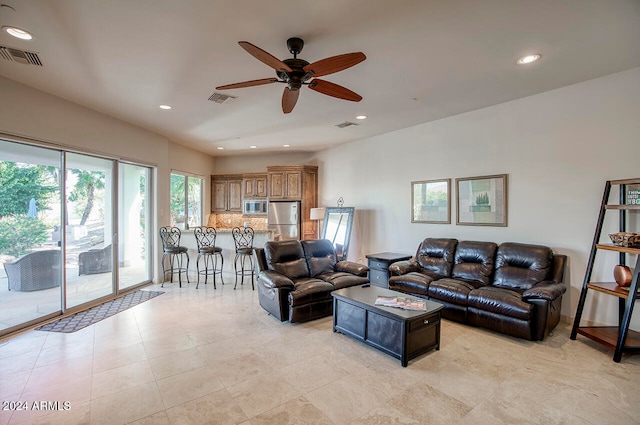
(626, 239)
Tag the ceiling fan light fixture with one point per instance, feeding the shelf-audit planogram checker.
(528, 59)
(18, 33)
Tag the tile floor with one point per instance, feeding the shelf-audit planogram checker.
(215, 357)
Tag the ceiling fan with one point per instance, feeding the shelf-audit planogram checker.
(296, 72)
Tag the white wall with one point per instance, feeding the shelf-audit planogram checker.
(257, 163)
(558, 149)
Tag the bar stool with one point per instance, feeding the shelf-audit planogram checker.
(170, 237)
(243, 239)
(209, 252)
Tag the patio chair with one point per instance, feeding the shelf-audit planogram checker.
(34, 271)
(95, 261)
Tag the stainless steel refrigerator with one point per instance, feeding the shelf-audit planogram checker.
(283, 218)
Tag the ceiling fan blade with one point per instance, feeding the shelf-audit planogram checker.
(334, 64)
(335, 90)
(289, 99)
(248, 84)
(264, 57)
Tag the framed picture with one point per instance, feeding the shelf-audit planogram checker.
(431, 201)
(482, 201)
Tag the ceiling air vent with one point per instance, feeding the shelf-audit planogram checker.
(345, 124)
(20, 56)
(222, 98)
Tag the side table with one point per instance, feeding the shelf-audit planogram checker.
(379, 266)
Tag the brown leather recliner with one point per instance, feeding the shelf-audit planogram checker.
(296, 278)
(512, 288)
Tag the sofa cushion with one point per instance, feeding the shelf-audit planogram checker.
(341, 280)
(412, 283)
(500, 301)
(474, 262)
(286, 257)
(320, 256)
(310, 290)
(521, 266)
(450, 290)
(436, 255)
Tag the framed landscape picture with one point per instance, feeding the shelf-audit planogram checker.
(431, 201)
(482, 201)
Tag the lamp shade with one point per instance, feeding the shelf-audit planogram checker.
(317, 213)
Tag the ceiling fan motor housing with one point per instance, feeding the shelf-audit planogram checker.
(297, 76)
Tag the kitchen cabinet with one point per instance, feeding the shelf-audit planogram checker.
(296, 183)
(226, 193)
(254, 185)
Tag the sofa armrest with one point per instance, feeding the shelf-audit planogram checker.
(274, 280)
(403, 267)
(547, 290)
(352, 267)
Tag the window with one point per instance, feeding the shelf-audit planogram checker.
(186, 201)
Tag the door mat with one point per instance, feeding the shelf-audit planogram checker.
(95, 314)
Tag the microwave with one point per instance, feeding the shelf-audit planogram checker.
(254, 207)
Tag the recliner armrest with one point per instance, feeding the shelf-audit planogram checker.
(547, 290)
(352, 267)
(274, 280)
(403, 267)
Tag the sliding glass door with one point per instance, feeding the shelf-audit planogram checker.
(30, 253)
(61, 249)
(134, 224)
(89, 229)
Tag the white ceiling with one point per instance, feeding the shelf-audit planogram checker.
(426, 59)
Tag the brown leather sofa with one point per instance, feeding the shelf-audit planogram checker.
(296, 278)
(512, 288)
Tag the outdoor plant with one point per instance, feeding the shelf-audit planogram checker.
(18, 234)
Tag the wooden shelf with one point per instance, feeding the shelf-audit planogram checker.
(611, 288)
(623, 207)
(608, 336)
(611, 247)
(626, 181)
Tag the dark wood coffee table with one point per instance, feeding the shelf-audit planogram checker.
(403, 334)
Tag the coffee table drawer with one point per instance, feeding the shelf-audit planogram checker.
(423, 336)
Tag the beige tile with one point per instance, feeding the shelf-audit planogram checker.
(121, 378)
(160, 418)
(241, 369)
(127, 405)
(428, 405)
(175, 363)
(61, 371)
(217, 407)
(262, 393)
(294, 412)
(119, 356)
(386, 415)
(74, 391)
(177, 389)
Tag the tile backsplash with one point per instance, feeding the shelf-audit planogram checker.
(230, 220)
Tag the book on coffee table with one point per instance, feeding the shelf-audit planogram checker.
(402, 302)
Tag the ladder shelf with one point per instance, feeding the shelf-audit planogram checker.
(619, 338)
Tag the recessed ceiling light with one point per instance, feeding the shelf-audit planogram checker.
(528, 59)
(253, 146)
(220, 148)
(361, 117)
(18, 33)
(165, 106)
(285, 146)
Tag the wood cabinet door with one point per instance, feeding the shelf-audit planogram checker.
(276, 185)
(260, 187)
(248, 186)
(293, 185)
(219, 195)
(235, 195)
